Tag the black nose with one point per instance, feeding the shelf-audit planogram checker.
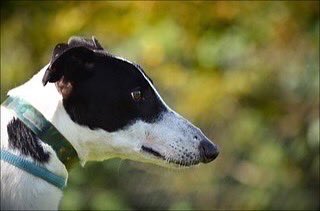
(208, 151)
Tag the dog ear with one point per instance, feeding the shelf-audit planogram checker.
(92, 43)
(69, 64)
(97, 43)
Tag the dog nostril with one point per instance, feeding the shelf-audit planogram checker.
(208, 151)
(195, 137)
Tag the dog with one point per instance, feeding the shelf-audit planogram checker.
(87, 105)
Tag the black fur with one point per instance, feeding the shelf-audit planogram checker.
(104, 99)
(97, 87)
(24, 140)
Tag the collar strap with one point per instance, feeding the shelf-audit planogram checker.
(34, 120)
(33, 169)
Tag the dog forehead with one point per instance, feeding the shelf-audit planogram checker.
(120, 72)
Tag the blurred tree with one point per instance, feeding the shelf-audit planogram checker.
(247, 73)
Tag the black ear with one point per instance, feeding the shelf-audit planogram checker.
(96, 43)
(92, 43)
(70, 63)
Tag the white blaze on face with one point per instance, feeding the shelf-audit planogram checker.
(169, 141)
(175, 138)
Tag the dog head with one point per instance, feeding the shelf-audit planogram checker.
(115, 104)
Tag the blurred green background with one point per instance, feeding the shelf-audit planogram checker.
(247, 73)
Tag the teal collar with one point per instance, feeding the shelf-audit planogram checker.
(33, 169)
(34, 120)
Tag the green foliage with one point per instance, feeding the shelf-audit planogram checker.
(246, 73)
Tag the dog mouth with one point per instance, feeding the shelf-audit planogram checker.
(153, 152)
(176, 163)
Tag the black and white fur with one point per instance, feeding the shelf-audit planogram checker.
(87, 94)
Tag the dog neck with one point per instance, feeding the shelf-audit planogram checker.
(48, 101)
(44, 195)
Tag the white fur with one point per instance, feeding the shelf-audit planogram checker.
(18, 189)
(171, 135)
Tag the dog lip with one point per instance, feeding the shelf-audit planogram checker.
(155, 153)
(152, 151)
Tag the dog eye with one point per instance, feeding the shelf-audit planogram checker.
(136, 95)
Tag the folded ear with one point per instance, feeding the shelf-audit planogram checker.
(97, 43)
(71, 63)
(92, 43)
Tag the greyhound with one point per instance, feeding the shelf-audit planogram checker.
(87, 105)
